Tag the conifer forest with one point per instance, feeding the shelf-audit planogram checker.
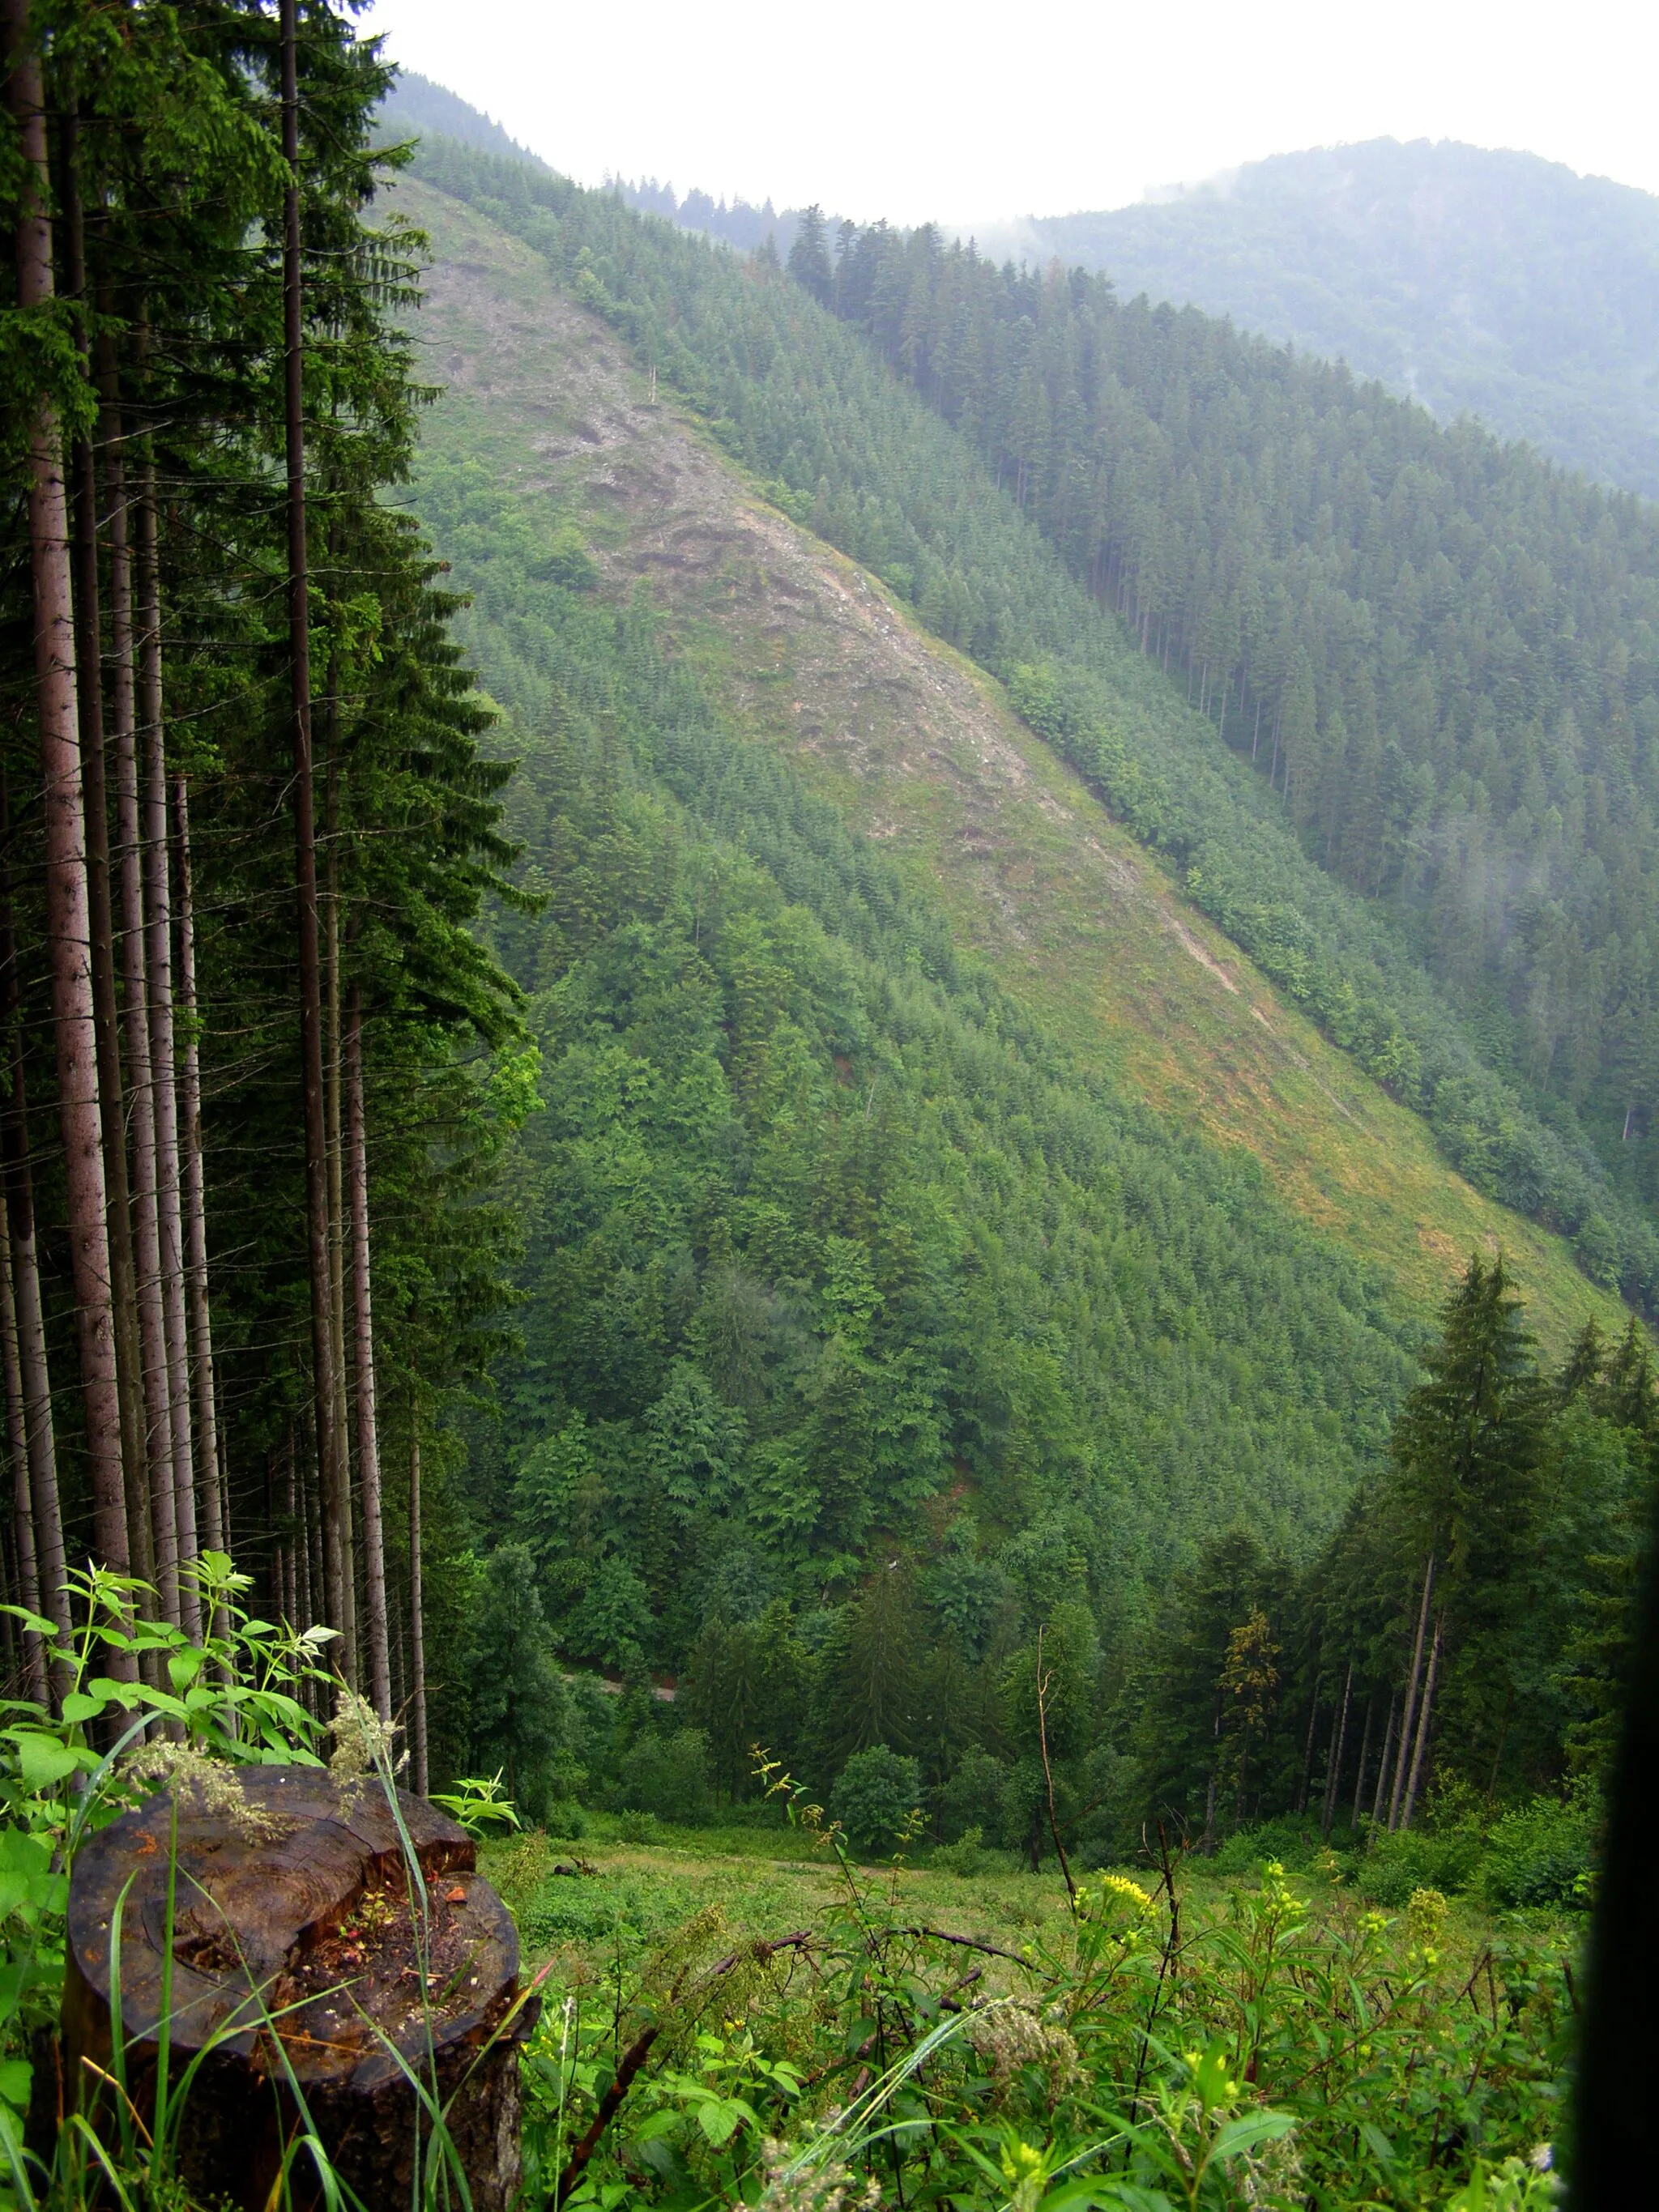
(829, 1148)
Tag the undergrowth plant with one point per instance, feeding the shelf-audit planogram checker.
(1157, 2053)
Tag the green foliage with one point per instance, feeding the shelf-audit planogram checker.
(1250, 2047)
(780, 1290)
(1120, 431)
(877, 1798)
(477, 1803)
(817, 1217)
(1541, 1854)
(966, 1857)
(1411, 1859)
(667, 1776)
(107, 1742)
(1482, 282)
(520, 1711)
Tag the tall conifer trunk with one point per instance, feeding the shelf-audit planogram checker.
(330, 1458)
(40, 1441)
(195, 1189)
(27, 1591)
(89, 660)
(350, 1659)
(1339, 1743)
(369, 1443)
(69, 928)
(289, 1558)
(158, 963)
(1407, 1716)
(147, 1244)
(1307, 1748)
(1383, 1770)
(416, 1613)
(1423, 1719)
(1364, 1763)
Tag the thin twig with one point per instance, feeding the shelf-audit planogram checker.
(632, 2058)
(640, 2050)
(973, 1943)
(1047, 1770)
(1164, 1966)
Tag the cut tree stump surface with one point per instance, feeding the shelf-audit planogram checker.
(295, 1924)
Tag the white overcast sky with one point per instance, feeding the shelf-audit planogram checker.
(912, 109)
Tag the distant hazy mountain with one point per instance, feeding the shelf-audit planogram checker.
(1494, 282)
(416, 106)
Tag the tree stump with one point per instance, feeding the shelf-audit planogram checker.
(301, 1961)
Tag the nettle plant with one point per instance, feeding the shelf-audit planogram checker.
(134, 1705)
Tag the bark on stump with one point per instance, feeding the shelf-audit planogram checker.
(297, 1959)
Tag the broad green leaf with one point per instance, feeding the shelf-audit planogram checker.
(662, 2122)
(1076, 2196)
(80, 1705)
(719, 2121)
(15, 2076)
(1376, 2142)
(1249, 2129)
(43, 1760)
(22, 1853)
(33, 1898)
(159, 1701)
(126, 1694)
(184, 1667)
(35, 1621)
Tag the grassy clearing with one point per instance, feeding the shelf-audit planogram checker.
(1271, 2042)
(765, 1882)
(626, 1898)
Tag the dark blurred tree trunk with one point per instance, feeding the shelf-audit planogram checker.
(1611, 2167)
(69, 927)
(158, 963)
(147, 1251)
(195, 1189)
(89, 657)
(369, 1443)
(35, 1379)
(27, 1591)
(417, 1761)
(324, 1392)
(349, 1655)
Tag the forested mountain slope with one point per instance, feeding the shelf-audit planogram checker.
(919, 750)
(850, 1233)
(1490, 283)
(808, 404)
(1438, 653)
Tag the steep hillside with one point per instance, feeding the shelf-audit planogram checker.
(1200, 485)
(1492, 282)
(921, 750)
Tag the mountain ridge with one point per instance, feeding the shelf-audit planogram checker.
(1488, 282)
